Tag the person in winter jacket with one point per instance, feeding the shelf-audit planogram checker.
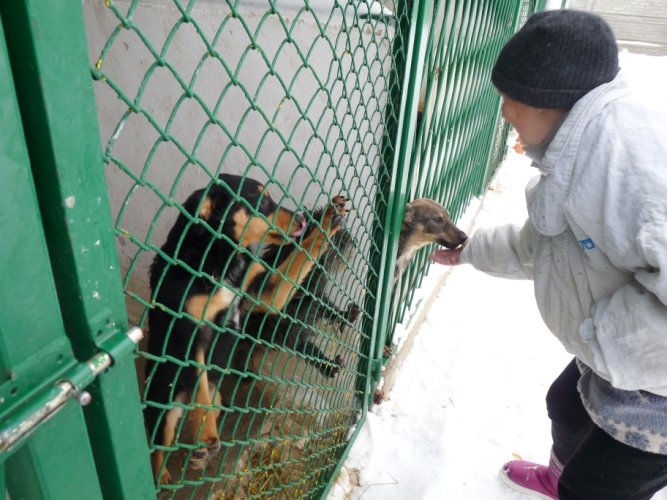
(595, 245)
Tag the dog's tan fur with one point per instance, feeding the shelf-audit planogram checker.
(425, 222)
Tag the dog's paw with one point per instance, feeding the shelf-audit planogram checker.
(340, 362)
(378, 396)
(334, 368)
(165, 477)
(333, 215)
(351, 315)
(339, 203)
(200, 456)
(353, 312)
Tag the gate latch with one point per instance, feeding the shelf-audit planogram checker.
(24, 421)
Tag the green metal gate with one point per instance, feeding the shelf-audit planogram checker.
(118, 111)
(63, 318)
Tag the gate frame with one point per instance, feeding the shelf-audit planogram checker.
(55, 96)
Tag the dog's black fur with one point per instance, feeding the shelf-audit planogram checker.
(201, 279)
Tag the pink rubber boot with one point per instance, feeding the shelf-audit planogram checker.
(531, 478)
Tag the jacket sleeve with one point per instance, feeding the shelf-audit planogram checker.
(504, 251)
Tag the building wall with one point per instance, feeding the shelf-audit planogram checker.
(330, 92)
(640, 25)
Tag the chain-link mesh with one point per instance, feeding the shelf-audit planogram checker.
(460, 137)
(295, 96)
(230, 129)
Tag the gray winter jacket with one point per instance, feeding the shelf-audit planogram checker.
(595, 242)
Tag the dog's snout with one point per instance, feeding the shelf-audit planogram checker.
(462, 238)
(453, 238)
(299, 224)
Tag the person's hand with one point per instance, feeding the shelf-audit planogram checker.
(447, 257)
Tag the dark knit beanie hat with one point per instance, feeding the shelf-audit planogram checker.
(556, 58)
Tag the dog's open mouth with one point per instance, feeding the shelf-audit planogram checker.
(452, 245)
(300, 220)
(285, 233)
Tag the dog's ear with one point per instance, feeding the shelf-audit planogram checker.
(201, 205)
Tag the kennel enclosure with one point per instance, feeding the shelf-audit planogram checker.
(116, 111)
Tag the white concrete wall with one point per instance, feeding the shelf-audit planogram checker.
(639, 25)
(333, 127)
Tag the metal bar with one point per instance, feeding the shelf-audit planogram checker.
(420, 25)
(27, 421)
(48, 52)
(34, 351)
(49, 403)
(50, 465)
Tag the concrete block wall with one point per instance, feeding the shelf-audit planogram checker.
(640, 25)
(334, 145)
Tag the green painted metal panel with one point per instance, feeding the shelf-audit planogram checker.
(51, 465)
(34, 350)
(56, 102)
(47, 48)
(32, 343)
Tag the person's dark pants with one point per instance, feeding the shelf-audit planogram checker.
(596, 466)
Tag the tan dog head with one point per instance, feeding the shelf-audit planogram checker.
(425, 222)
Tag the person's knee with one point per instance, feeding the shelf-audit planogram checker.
(564, 404)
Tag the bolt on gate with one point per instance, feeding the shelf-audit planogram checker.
(146, 135)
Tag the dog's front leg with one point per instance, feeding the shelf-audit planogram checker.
(280, 285)
(203, 417)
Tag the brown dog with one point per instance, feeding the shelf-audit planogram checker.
(425, 222)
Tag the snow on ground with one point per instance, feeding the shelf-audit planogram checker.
(470, 394)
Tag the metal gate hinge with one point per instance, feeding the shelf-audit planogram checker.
(38, 411)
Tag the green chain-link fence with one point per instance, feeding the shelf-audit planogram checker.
(459, 135)
(299, 97)
(273, 363)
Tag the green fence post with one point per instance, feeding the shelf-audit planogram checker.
(409, 99)
(47, 47)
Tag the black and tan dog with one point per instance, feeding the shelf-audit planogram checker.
(425, 222)
(199, 280)
(309, 308)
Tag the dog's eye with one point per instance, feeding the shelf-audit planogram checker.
(437, 220)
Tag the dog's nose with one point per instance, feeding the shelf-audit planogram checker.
(299, 223)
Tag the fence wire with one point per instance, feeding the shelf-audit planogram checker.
(294, 95)
(200, 100)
